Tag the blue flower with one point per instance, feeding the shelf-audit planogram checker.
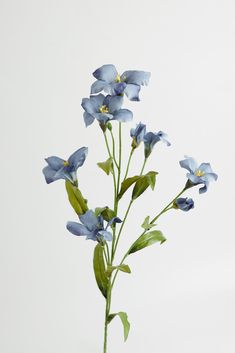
(137, 134)
(92, 227)
(59, 168)
(151, 138)
(109, 80)
(104, 109)
(201, 174)
(184, 204)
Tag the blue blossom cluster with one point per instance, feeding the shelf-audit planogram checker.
(106, 108)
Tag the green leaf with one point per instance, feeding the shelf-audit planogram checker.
(106, 166)
(106, 212)
(76, 199)
(124, 318)
(99, 269)
(146, 240)
(146, 224)
(143, 183)
(126, 184)
(123, 268)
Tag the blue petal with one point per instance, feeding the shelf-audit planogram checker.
(90, 220)
(194, 179)
(123, 115)
(103, 118)
(114, 220)
(115, 103)
(77, 159)
(55, 162)
(136, 77)
(98, 86)
(189, 164)
(63, 173)
(49, 174)
(88, 118)
(97, 101)
(106, 73)
(204, 188)
(105, 235)
(88, 105)
(132, 92)
(163, 137)
(77, 228)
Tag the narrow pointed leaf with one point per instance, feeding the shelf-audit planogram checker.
(123, 268)
(124, 318)
(100, 270)
(106, 166)
(126, 184)
(76, 199)
(143, 183)
(146, 224)
(146, 240)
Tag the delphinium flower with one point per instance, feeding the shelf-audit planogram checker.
(184, 204)
(59, 168)
(201, 174)
(92, 227)
(137, 134)
(151, 138)
(109, 80)
(104, 109)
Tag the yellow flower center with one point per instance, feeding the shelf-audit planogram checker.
(104, 109)
(199, 173)
(66, 163)
(118, 78)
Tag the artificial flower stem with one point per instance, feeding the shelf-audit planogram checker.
(128, 164)
(142, 170)
(114, 154)
(113, 173)
(123, 223)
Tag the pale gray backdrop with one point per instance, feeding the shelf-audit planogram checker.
(180, 296)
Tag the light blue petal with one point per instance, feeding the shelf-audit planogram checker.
(77, 228)
(123, 115)
(97, 101)
(77, 159)
(92, 236)
(49, 174)
(105, 235)
(88, 118)
(204, 188)
(189, 164)
(115, 103)
(88, 106)
(163, 137)
(64, 174)
(194, 179)
(98, 86)
(136, 77)
(103, 118)
(106, 73)
(55, 162)
(89, 220)
(132, 92)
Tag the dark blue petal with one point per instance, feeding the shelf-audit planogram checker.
(55, 162)
(204, 188)
(132, 92)
(184, 204)
(89, 220)
(189, 164)
(136, 77)
(98, 86)
(114, 220)
(49, 174)
(123, 115)
(138, 133)
(104, 234)
(77, 159)
(88, 118)
(106, 73)
(77, 228)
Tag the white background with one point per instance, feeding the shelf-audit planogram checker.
(180, 296)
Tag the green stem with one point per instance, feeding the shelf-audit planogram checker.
(142, 170)
(114, 154)
(107, 308)
(128, 164)
(123, 223)
(113, 173)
